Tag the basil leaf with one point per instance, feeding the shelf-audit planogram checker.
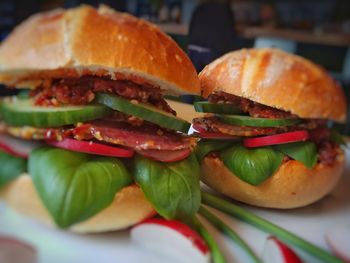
(172, 188)
(305, 152)
(252, 165)
(11, 167)
(75, 186)
(206, 146)
(337, 138)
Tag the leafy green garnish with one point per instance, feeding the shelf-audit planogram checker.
(238, 212)
(337, 138)
(75, 186)
(23, 94)
(11, 167)
(253, 166)
(172, 188)
(206, 146)
(305, 152)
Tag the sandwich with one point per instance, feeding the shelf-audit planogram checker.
(266, 131)
(112, 151)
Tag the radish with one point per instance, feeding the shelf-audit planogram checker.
(15, 251)
(166, 156)
(17, 147)
(338, 240)
(277, 252)
(171, 238)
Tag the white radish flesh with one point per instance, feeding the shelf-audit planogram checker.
(338, 240)
(277, 252)
(171, 238)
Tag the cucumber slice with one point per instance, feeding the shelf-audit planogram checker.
(256, 122)
(23, 112)
(145, 112)
(223, 108)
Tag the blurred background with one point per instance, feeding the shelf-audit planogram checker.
(316, 29)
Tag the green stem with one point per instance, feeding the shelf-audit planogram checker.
(216, 254)
(229, 232)
(268, 227)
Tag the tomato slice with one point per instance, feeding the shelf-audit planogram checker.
(91, 147)
(281, 138)
(17, 147)
(165, 156)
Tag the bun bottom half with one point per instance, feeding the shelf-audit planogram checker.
(129, 207)
(292, 186)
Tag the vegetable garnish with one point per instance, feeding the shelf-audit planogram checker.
(281, 138)
(225, 229)
(216, 253)
(81, 184)
(266, 226)
(172, 188)
(91, 147)
(256, 122)
(253, 166)
(11, 167)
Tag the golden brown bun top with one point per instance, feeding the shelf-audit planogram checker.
(277, 79)
(101, 42)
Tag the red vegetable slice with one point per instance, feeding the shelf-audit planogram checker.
(199, 128)
(91, 147)
(281, 138)
(15, 250)
(166, 156)
(17, 147)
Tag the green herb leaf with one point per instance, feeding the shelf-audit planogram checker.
(172, 188)
(206, 146)
(75, 186)
(305, 152)
(268, 227)
(11, 167)
(337, 138)
(252, 165)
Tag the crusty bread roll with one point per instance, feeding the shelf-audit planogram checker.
(103, 42)
(128, 208)
(277, 79)
(293, 185)
(287, 82)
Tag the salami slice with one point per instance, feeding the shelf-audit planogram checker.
(143, 137)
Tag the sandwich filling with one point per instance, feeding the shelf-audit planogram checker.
(82, 125)
(114, 127)
(235, 126)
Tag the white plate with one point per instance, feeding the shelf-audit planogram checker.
(58, 246)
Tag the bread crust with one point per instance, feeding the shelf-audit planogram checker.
(292, 186)
(99, 42)
(277, 79)
(128, 208)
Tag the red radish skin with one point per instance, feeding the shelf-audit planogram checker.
(165, 156)
(17, 147)
(277, 252)
(338, 240)
(148, 231)
(91, 147)
(16, 251)
(281, 138)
